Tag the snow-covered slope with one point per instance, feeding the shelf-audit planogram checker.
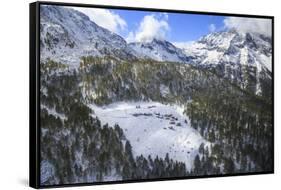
(231, 47)
(154, 129)
(160, 50)
(67, 34)
(243, 58)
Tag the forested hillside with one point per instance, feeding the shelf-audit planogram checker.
(237, 123)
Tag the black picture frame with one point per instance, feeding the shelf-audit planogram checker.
(34, 92)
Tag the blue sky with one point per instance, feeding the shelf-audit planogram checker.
(183, 27)
(141, 26)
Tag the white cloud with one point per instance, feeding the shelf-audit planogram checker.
(152, 26)
(212, 27)
(105, 18)
(244, 25)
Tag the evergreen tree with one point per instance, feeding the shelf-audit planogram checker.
(197, 165)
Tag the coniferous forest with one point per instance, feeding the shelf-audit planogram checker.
(78, 148)
(113, 110)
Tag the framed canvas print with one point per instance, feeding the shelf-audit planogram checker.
(120, 94)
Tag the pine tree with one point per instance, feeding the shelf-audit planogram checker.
(228, 166)
(202, 148)
(197, 165)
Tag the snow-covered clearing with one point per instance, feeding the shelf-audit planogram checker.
(154, 129)
(52, 111)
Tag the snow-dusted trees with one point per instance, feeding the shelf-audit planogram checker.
(239, 126)
(79, 148)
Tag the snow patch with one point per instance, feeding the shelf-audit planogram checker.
(47, 171)
(52, 111)
(164, 90)
(244, 56)
(154, 129)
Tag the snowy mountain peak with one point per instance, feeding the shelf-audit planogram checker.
(220, 40)
(233, 48)
(67, 35)
(160, 50)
